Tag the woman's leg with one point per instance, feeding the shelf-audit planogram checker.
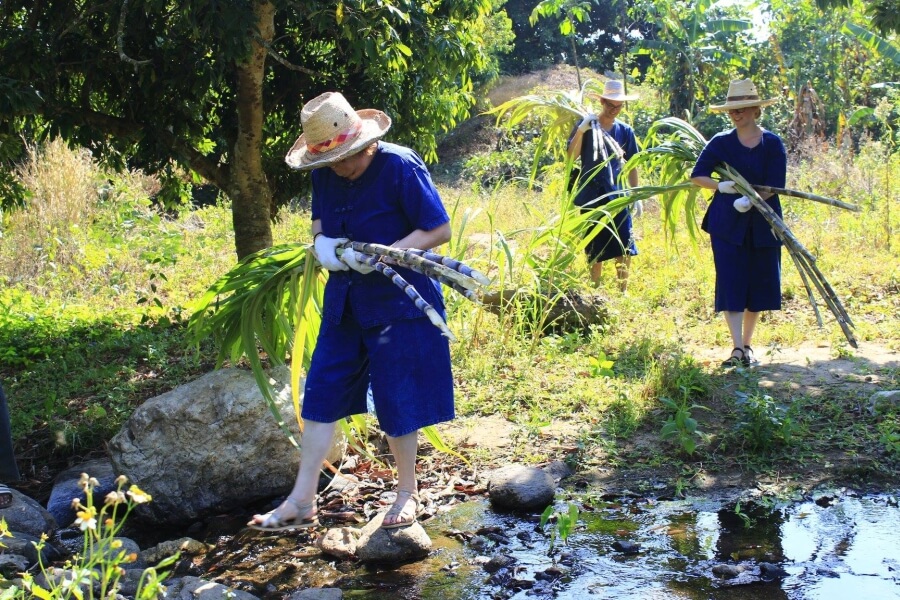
(735, 320)
(404, 448)
(314, 446)
(750, 321)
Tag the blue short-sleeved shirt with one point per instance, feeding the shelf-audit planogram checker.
(393, 197)
(764, 164)
(607, 179)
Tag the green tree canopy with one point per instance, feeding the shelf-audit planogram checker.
(216, 87)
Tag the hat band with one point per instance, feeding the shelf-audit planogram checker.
(336, 141)
(739, 98)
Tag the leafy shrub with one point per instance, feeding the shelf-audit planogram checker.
(763, 424)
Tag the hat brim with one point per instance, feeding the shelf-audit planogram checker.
(619, 97)
(374, 125)
(742, 104)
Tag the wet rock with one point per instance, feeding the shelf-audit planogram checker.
(558, 470)
(194, 588)
(197, 449)
(25, 545)
(376, 545)
(339, 542)
(10, 564)
(317, 594)
(728, 571)
(626, 547)
(550, 574)
(827, 572)
(479, 543)
(108, 551)
(25, 515)
(66, 488)
(497, 562)
(163, 550)
(521, 488)
(884, 401)
(770, 571)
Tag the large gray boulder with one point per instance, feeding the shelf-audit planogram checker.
(210, 446)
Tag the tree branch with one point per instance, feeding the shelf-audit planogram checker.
(120, 39)
(118, 127)
(282, 59)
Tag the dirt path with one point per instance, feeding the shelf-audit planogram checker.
(809, 370)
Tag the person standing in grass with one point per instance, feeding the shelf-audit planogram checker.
(604, 144)
(372, 335)
(746, 253)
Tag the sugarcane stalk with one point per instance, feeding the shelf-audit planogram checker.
(801, 256)
(410, 259)
(417, 299)
(373, 259)
(807, 196)
(454, 264)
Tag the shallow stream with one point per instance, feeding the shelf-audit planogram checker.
(834, 546)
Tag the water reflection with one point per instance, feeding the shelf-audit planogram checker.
(839, 547)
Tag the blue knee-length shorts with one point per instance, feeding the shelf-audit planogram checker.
(407, 364)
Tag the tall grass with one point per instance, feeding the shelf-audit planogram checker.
(63, 325)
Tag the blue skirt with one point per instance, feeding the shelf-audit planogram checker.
(747, 277)
(406, 363)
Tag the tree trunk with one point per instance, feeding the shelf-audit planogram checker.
(251, 197)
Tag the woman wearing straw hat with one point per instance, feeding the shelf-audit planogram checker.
(746, 253)
(372, 336)
(604, 144)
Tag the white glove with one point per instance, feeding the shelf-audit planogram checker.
(637, 209)
(742, 204)
(326, 251)
(586, 122)
(354, 261)
(727, 186)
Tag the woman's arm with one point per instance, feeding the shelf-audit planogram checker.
(705, 182)
(425, 240)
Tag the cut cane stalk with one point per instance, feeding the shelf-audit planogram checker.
(411, 259)
(807, 196)
(803, 258)
(373, 259)
(417, 299)
(454, 264)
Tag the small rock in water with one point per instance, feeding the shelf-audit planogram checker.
(626, 547)
(497, 562)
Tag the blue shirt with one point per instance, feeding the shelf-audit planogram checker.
(607, 179)
(393, 197)
(764, 164)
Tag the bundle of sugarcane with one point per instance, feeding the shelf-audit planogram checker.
(268, 306)
(450, 272)
(675, 155)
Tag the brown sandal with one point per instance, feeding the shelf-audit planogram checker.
(397, 510)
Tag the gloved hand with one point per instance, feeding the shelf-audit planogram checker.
(726, 186)
(353, 259)
(637, 209)
(326, 251)
(586, 122)
(742, 204)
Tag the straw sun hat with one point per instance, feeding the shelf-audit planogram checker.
(742, 94)
(332, 131)
(614, 90)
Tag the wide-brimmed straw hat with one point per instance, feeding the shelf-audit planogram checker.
(742, 94)
(332, 131)
(614, 90)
